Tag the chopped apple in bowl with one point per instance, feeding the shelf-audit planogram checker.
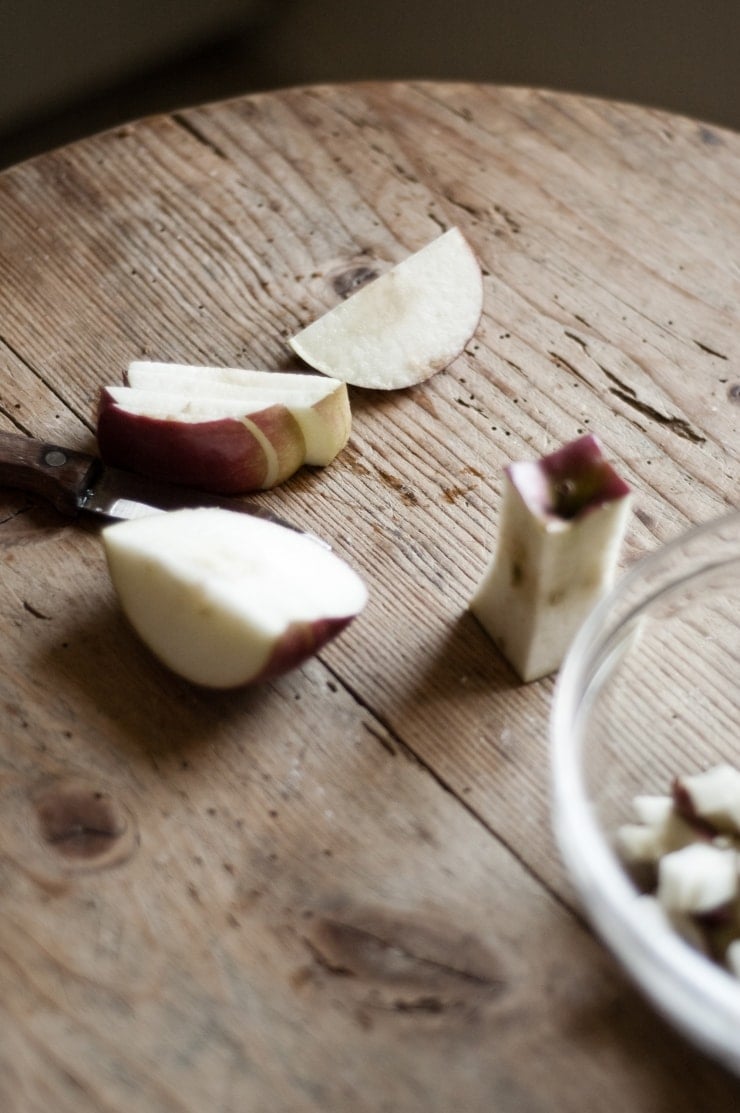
(221, 429)
(404, 326)
(225, 599)
(683, 853)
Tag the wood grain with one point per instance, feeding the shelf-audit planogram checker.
(340, 891)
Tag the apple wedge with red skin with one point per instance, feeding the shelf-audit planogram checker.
(190, 427)
(225, 599)
(320, 405)
(405, 325)
(201, 447)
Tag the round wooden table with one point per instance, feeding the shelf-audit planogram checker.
(339, 891)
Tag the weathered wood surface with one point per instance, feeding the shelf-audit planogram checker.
(340, 891)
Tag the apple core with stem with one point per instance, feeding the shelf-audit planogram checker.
(562, 522)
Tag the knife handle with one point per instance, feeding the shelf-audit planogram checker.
(57, 474)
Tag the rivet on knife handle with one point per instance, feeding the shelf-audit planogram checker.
(58, 475)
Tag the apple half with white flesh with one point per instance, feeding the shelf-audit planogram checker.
(222, 435)
(562, 524)
(225, 599)
(403, 326)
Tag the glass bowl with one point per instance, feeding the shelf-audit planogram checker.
(650, 689)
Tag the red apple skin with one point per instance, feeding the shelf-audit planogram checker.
(285, 435)
(221, 456)
(299, 642)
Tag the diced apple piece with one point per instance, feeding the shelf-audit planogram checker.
(732, 958)
(639, 842)
(665, 832)
(225, 599)
(562, 523)
(405, 325)
(320, 405)
(698, 879)
(712, 796)
(652, 809)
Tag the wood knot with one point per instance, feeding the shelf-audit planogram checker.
(733, 392)
(84, 824)
(402, 966)
(349, 281)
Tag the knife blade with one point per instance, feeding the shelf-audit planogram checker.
(75, 482)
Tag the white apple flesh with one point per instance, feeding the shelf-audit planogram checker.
(712, 795)
(404, 326)
(562, 522)
(698, 879)
(648, 842)
(224, 599)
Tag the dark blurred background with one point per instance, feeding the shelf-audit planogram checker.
(72, 67)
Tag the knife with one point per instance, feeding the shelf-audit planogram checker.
(74, 482)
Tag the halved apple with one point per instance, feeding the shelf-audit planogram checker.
(319, 405)
(225, 599)
(405, 325)
(188, 425)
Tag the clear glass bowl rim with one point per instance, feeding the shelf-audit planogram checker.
(698, 997)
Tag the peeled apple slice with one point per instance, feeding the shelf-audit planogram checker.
(405, 325)
(225, 599)
(192, 426)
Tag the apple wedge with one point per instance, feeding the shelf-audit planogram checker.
(319, 405)
(405, 325)
(562, 522)
(188, 426)
(225, 599)
(198, 442)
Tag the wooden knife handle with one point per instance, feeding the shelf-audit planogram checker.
(56, 474)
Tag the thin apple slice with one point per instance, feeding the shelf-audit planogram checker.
(405, 325)
(159, 375)
(320, 405)
(225, 599)
(199, 444)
